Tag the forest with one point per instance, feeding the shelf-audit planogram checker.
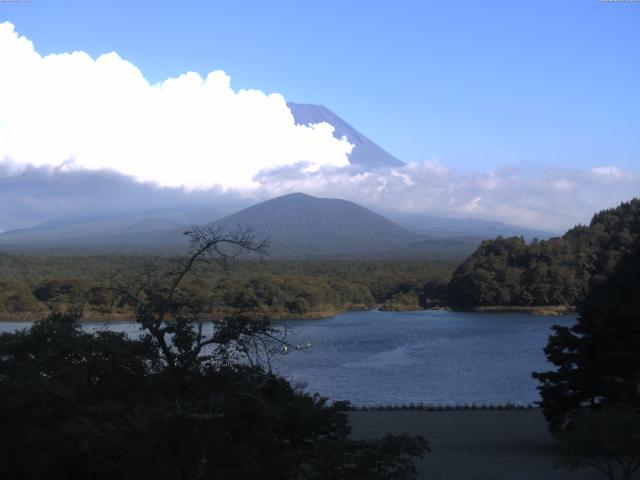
(558, 271)
(31, 286)
(177, 402)
(505, 272)
(201, 411)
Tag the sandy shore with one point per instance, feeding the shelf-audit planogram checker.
(476, 445)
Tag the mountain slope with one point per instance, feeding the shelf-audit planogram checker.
(132, 233)
(299, 224)
(366, 153)
(446, 227)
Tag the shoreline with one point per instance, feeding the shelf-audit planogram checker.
(122, 317)
(545, 310)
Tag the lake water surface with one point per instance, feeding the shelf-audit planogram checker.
(431, 357)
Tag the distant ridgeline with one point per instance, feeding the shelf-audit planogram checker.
(508, 272)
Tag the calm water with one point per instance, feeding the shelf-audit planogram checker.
(434, 357)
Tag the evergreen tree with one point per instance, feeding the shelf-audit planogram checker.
(506, 271)
(598, 359)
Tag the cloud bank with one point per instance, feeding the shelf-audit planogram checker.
(553, 200)
(186, 131)
(80, 135)
(34, 195)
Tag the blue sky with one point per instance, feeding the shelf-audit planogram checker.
(526, 112)
(476, 85)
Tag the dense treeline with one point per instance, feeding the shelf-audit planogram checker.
(507, 271)
(592, 398)
(32, 285)
(598, 358)
(181, 401)
(502, 272)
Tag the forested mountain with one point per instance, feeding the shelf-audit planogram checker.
(302, 226)
(299, 222)
(508, 271)
(297, 225)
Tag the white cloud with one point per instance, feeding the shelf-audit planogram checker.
(82, 114)
(612, 174)
(547, 199)
(191, 131)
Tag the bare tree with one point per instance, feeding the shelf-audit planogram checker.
(181, 403)
(171, 317)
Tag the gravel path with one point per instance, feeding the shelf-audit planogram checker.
(476, 445)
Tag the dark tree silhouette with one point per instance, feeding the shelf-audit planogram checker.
(607, 439)
(188, 400)
(598, 359)
(592, 400)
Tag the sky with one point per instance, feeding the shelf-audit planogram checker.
(530, 95)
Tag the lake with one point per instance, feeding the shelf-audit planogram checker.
(432, 357)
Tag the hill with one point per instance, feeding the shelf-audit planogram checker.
(558, 271)
(300, 225)
(366, 152)
(95, 234)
